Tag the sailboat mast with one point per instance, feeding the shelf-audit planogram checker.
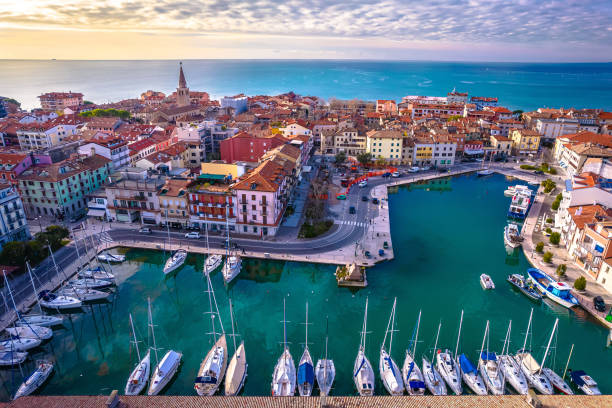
(33, 286)
(207, 244)
(76, 246)
(152, 330)
(527, 332)
(568, 360)
(459, 334)
(416, 337)
(507, 339)
(327, 362)
(548, 345)
(135, 339)
(364, 326)
(306, 344)
(392, 325)
(232, 318)
(483, 341)
(284, 327)
(436, 343)
(212, 314)
(227, 229)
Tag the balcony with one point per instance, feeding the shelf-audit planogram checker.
(131, 198)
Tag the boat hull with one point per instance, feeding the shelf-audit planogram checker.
(35, 380)
(433, 380)
(175, 261)
(536, 276)
(325, 372)
(518, 282)
(390, 374)
(557, 382)
(137, 381)
(211, 361)
(530, 370)
(230, 271)
(513, 374)
(236, 372)
(40, 320)
(19, 344)
(11, 358)
(284, 377)
(31, 332)
(412, 375)
(449, 372)
(212, 263)
(363, 375)
(161, 378)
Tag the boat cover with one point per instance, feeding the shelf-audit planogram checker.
(388, 360)
(416, 384)
(577, 377)
(410, 368)
(205, 380)
(488, 356)
(359, 369)
(305, 373)
(466, 364)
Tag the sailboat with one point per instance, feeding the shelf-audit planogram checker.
(469, 373)
(509, 367)
(212, 369)
(389, 372)
(411, 373)
(177, 258)
(237, 368)
(97, 272)
(325, 371)
(434, 382)
(139, 377)
(530, 367)
(27, 331)
(38, 320)
(166, 367)
(305, 368)
(363, 374)
(11, 358)
(554, 378)
(213, 261)
(284, 378)
(489, 368)
(233, 263)
(51, 300)
(44, 368)
(448, 368)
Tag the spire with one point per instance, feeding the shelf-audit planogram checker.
(182, 83)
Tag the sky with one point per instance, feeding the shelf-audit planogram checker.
(449, 30)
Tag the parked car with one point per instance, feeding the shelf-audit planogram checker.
(232, 245)
(193, 234)
(363, 183)
(425, 168)
(145, 230)
(365, 198)
(78, 217)
(375, 201)
(599, 304)
(352, 210)
(443, 170)
(413, 170)
(395, 174)
(538, 172)
(387, 174)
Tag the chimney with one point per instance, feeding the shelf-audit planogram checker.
(93, 151)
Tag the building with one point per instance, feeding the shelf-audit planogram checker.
(97, 207)
(562, 143)
(13, 223)
(237, 102)
(421, 110)
(423, 150)
(347, 140)
(12, 164)
(574, 156)
(173, 202)
(594, 247)
(132, 196)
(106, 125)
(386, 106)
(482, 101)
(182, 92)
(501, 144)
(552, 128)
(294, 129)
(385, 144)
(455, 97)
(61, 189)
(525, 141)
(444, 150)
(141, 149)
(113, 148)
(245, 147)
(212, 205)
(59, 100)
(42, 136)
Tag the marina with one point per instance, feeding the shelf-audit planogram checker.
(92, 352)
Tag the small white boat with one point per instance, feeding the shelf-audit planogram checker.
(84, 294)
(471, 376)
(434, 382)
(557, 382)
(510, 191)
(305, 373)
(236, 372)
(325, 371)
(284, 378)
(11, 358)
(390, 374)
(40, 320)
(449, 371)
(140, 374)
(57, 302)
(363, 374)
(176, 260)
(90, 283)
(36, 379)
(108, 257)
(97, 273)
(231, 268)
(211, 263)
(485, 172)
(584, 382)
(212, 369)
(164, 372)
(512, 236)
(486, 282)
(30, 332)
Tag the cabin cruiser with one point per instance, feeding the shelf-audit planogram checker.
(36, 379)
(176, 260)
(212, 262)
(53, 301)
(30, 332)
(231, 268)
(584, 382)
(519, 206)
(486, 282)
(512, 236)
(559, 292)
(108, 257)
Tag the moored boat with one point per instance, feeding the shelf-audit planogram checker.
(486, 282)
(519, 206)
(84, 294)
(11, 358)
(284, 378)
(390, 374)
(97, 273)
(212, 369)
(559, 292)
(471, 376)
(30, 332)
(557, 382)
(449, 371)
(524, 286)
(58, 302)
(211, 263)
(305, 375)
(512, 236)
(484, 172)
(108, 257)
(363, 374)
(91, 283)
(325, 370)
(176, 260)
(40, 320)
(411, 373)
(43, 370)
(140, 374)
(237, 368)
(489, 368)
(231, 268)
(509, 368)
(433, 380)
(584, 382)
(164, 371)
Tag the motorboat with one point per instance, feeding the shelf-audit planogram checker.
(512, 373)
(434, 382)
(533, 373)
(57, 302)
(512, 235)
(40, 320)
(212, 369)
(412, 376)
(139, 376)
(584, 382)
(284, 378)
(164, 371)
(84, 294)
(97, 273)
(449, 371)
(30, 332)
(11, 358)
(484, 172)
(231, 268)
(490, 372)
(305, 373)
(36, 379)
(363, 374)
(236, 372)
(390, 374)
(211, 263)
(486, 282)
(471, 376)
(111, 258)
(524, 286)
(512, 190)
(91, 283)
(559, 292)
(557, 382)
(519, 206)
(176, 260)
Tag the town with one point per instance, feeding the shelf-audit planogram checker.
(291, 178)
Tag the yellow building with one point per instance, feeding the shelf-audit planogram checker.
(501, 144)
(423, 151)
(525, 141)
(223, 169)
(386, 144)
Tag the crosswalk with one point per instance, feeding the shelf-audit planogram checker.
(104, 237)
(349, 222)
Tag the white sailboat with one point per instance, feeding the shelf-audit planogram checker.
(11, 358)
(213, 261)
(139, 377)
(40, 320)
(51, 300)
(83, 293)
(28, 330)
(44, 368)
(325, 371)
(509, 367)
(434, 382)
(305, 374)
(448, 368)
(97, 272)
(213, 366)
(390, 374)
(90, 283)
(284, 378)
(166, 367)
(489, 368)
(237, 368)
(109, 257)
(468, 372)
(363, 374)
(233, 263)
(177, 258)
(17, 343)
(411, 373)
(530, 367)
(555, 379)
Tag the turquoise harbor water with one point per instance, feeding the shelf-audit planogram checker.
(445, 234)
(518, 85)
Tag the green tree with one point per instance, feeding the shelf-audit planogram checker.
(539, 247)
(340, 157)
(452, 118)
(364, 158)
(555, 205)
(13, 253)
(555, 238)
(380, 161)
(88, 103)
(561, 269)
(547, 257)
(580, 283)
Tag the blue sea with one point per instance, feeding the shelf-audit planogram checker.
(524, 86)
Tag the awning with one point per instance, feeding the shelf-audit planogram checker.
(96, 213)
(211, 176)
(306, 169)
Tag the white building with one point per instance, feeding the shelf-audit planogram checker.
(553, 128)
(13, 223)
(238, 102)
(114, 149)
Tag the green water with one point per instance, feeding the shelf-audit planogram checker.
(445, 234)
